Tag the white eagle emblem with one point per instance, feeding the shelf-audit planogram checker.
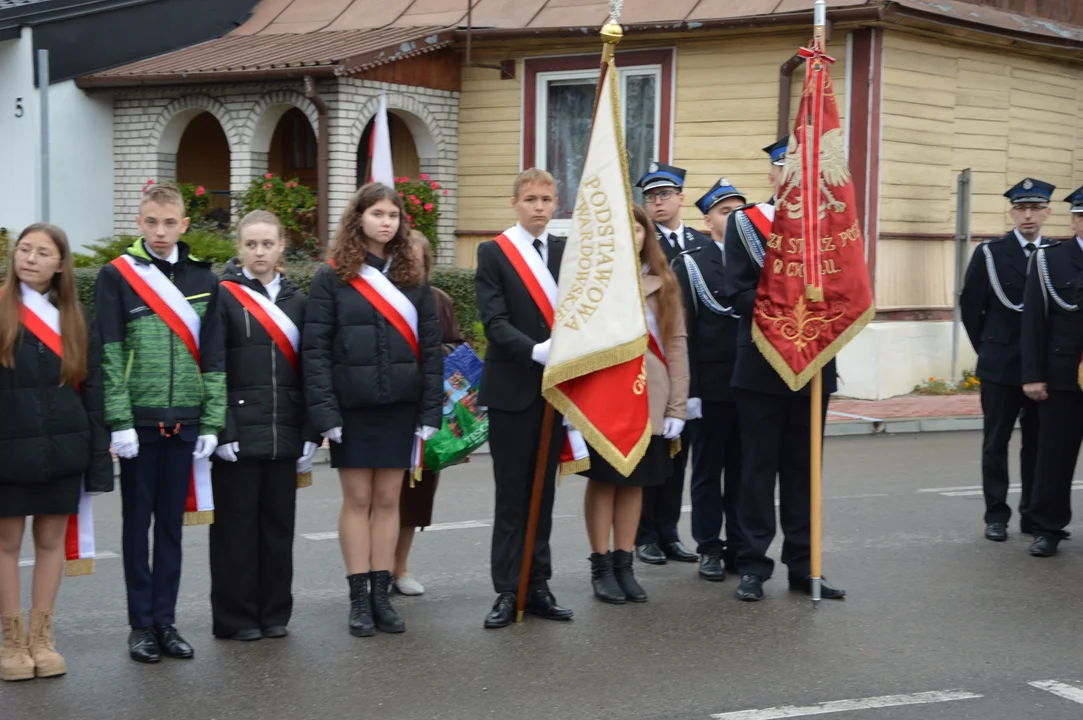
(834, 172)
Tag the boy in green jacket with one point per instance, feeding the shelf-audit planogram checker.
(163, 365)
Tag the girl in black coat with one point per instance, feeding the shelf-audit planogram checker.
(256, 463)
(374, 384)
(53, 441)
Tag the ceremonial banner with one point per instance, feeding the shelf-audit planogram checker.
(813, 295)
(596, 374)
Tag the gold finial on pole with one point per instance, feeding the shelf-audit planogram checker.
(612, 32)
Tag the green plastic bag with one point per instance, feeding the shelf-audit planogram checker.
(465, 426)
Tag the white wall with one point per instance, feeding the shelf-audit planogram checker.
(81, 162)
(19, 184)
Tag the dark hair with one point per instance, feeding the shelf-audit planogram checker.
(418, 237)
(73, 329)
(652, 257)
(349, 251)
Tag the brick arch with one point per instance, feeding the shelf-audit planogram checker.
(168, 129)
(428, 137)
(259, 125)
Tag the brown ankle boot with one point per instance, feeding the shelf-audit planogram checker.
(15, 660)
(47, 661)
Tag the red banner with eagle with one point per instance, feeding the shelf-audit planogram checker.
(813, 295)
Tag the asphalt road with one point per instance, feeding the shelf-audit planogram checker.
(939, 623)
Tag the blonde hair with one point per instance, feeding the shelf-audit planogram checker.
(262, 217)
(416, 236)
(533, 175)
(164, 194)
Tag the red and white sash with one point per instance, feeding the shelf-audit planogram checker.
(169, 304)
(518, 247)
(41, 319)
(401, 314)
(762, 216)
(271, 317)
(654, 337)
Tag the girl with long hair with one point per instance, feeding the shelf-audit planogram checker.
(53, 439)
(613, 502)
(256, 462)
(374, 386)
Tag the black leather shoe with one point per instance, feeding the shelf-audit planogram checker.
(677, 551)
(172, 644)
(275, 632)
(503, 611)
(384, 615)
(626, 577)
(244, 635)
(143, 646)
(544, 605)
(604, 582)
(360, 618)
(651, 554)
(750, 589)
(827, 591)
(996, 531)
(1043, 546)
(710, 567)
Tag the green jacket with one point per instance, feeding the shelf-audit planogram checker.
(150, 377)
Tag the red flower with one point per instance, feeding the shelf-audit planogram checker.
(415, 201)
(410, 219)
(435, 185)
(423, 176)
(200, 191)
(401, 195)
(149, 183)
(404, 179)
(445, 192)
(267, 186)
(428, 207)
(269, 175)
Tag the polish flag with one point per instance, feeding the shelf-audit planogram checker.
(380, 169)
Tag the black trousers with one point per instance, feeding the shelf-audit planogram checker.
(717, 448)
(251, 544)
(662, 503)
(1001, 405)
(513, 442)
(775, 440)
(154, 485)
(1050, 508)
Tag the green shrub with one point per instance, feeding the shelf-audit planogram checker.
(6, 239)
(205, 245)
(292, 202)
(421, 199)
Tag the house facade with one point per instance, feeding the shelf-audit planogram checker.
(926, 89)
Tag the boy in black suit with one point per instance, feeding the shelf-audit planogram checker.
(516, 290)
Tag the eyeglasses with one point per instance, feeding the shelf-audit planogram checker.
(26, 251)
(1033, 208)
(660, 195)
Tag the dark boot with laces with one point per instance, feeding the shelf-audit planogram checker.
(387, 620)
(361, 624)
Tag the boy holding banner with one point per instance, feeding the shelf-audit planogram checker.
(163, 363)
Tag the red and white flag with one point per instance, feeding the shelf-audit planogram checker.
(380, 167)
(596, 374)
(169, 304)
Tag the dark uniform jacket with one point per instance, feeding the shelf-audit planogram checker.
(353, 358)
(692, 239)
(751, 371)
(49, 431)
(510, 380)
(266, 408)
(993, 327)
(712, 337)
(1052, 336)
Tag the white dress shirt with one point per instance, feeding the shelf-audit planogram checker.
(1023, 242)
(543, 249)
(666, 233)
(272, 287)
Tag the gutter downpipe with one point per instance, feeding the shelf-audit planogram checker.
(323, 163)
(785, 83)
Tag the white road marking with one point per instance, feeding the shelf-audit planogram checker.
(954, 489)
(1012, 489)
(320, 536)
(835, 706)
(1064, 690)
(104, 555)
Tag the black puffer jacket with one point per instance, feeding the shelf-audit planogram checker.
(48, 431)
(265, 411)
(353, 358)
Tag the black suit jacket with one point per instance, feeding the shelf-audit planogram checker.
(510, 380)
(1052, 337)
(712, 338)
(692, 239)
(751, 371)
(993, 328)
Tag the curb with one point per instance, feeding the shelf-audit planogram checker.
(898, 426)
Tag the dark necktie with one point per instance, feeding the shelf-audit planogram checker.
(673, 240)
(538, 247)
(1029, 248)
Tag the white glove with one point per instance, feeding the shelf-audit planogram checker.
(334, 434)
(425, 432)
(540, 353)
(672, 427)
(205, 445)
(695, 408)
(308, 452)
(126, 443)
(228, 452)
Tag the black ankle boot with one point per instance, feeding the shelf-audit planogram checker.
(604, 581)
(360, 606)
(387, 620)
(622, 568)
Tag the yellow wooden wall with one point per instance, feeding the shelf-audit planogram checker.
(947, 107)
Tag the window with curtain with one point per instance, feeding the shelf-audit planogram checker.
(564, 105)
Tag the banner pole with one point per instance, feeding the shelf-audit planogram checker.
(535, 511)
(816, 457)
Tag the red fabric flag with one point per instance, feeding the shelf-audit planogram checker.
(813, 295)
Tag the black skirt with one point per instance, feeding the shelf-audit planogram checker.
(653, 469)
(378, 437)
(56, 497)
